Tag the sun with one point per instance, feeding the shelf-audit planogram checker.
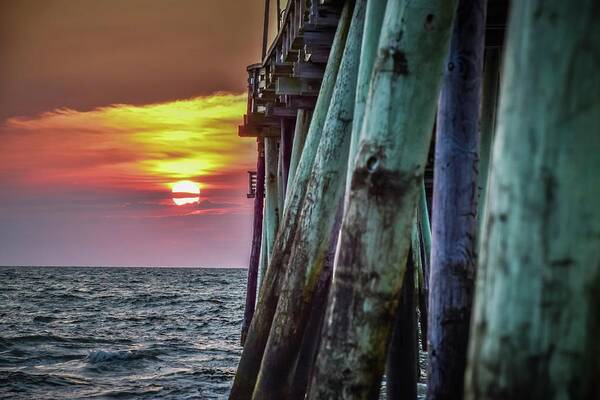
(188, 188)
(185, 187)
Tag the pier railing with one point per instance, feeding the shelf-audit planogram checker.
(289, 77)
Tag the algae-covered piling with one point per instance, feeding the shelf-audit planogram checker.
(344, 100)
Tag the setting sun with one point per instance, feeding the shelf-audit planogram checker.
(185, 187)
(185, 200)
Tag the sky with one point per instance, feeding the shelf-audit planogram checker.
(109, 106)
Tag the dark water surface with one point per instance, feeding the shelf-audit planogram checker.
(166, 333)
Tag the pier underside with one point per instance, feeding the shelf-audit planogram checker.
(394, 187)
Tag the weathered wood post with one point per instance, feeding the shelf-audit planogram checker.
(257, 229)
(271, 192)
(249, 364)
(401, 364)
(368, 52)
(424, 222)
(264, 258)
(377, 225)
(312, 333)
(424, 230)
(455, 193)
(491, 72)
(285, 153)
(372, 28)
(314, 234)
(537, 318)
(301, 130)
(280, 179)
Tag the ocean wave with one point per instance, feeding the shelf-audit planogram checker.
(21, 377)
(16, 356)
(63, 296)
(106, 356)
(49, 338)
(39, 338)
(44, 318)
(134, 332)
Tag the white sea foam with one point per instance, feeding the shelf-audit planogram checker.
(99, 356)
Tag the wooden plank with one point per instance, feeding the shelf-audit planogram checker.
(253, 131)
(318, 38)
(287, 112)
(283, 69)
(297, 87)
(244, 131)
(291, 56)
(317, 54)
(308, 70)
(305, 102)
(260, 120)
(265, 97)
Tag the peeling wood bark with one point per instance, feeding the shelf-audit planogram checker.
(454, 208)
(256, 243)
(537, 312)
(252, 353)
(315, 230)
(376, 229)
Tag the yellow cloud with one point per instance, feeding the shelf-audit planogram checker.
(158, 143)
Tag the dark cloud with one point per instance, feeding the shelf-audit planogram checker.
(88, 53)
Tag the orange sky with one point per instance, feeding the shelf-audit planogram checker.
(104, 106)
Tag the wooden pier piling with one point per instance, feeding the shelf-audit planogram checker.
(378, 220)
(257, 234)
(537, 319)
(260, 327)
(454, 223)
(313, 234)
(344, 100)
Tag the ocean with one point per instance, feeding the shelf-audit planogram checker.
(159, 333)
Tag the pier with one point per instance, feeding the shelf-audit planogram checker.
(423, 180)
